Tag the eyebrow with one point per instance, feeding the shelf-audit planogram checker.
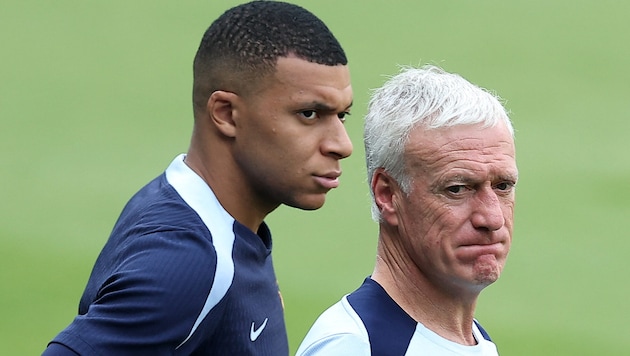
(323, 107)
(462, 178)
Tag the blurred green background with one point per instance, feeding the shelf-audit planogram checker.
(95, 102)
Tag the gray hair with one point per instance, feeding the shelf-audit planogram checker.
(426, 96)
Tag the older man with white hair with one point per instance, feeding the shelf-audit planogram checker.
(442, 174)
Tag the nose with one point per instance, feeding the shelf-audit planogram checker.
(488, 211)
(337, 142)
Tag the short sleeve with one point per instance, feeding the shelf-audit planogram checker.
(149, 302)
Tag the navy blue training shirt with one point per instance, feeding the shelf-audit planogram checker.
(179, 276)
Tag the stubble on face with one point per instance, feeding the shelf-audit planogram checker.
(450, 245)
(486, 269)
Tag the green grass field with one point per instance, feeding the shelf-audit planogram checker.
(95, 102)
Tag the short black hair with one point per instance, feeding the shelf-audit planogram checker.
(245, 42)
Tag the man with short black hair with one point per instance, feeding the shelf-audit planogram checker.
(188, 268)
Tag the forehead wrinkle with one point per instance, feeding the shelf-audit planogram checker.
(466, 160)
(438, 151)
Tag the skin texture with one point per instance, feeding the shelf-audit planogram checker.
(279, 142)
(449, 238)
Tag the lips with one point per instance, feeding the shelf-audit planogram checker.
(475, 250)
(484, 247)
(329, 180)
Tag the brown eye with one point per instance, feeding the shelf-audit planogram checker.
(342, 116)
(455, 189)
(504, 186)
(308, 114)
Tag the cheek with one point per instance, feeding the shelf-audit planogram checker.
(508, 215)
(431, 233)
(429, 222)
(443, 218)
(294, 145)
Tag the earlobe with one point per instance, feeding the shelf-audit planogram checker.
(384, 188)
(221, 111)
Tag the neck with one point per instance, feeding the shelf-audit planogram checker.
(231, 189)
(445, 311)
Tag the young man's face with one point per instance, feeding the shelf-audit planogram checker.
(457, 219)
(290, 133)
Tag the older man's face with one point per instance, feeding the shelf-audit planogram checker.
(456, 223)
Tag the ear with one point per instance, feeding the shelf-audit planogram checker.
(221, 111)
(386, 194)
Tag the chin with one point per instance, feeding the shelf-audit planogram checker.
(486, 279)
(487, 270)
(310, 204)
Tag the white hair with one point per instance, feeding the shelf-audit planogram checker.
(427, 97)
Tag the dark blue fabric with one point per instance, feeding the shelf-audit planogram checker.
(483, 331)
(389, 328)
(152, 278)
